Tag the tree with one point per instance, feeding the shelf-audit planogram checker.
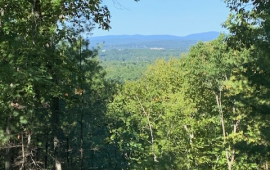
(156, 122)
(248, 22)
(249, 27)
(35, 72)
(192, 113)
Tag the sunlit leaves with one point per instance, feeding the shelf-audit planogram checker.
(189, 126)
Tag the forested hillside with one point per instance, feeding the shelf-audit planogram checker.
(197, 112)
(130, 64)
(208, 109)
(126, 57)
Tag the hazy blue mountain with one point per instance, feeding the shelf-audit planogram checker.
(151, 41)
(207, 36)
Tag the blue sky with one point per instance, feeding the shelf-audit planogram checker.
(165, 17)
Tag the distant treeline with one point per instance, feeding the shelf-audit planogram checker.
(130, 64)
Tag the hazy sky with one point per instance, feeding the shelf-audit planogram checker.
(165, 17)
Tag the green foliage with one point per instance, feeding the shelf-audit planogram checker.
(191, 113)
(124, 71)
(138, 55)
(130, 64)
(207, 110)
(248, 23)
(41, 70)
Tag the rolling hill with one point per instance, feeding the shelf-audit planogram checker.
(151, 41)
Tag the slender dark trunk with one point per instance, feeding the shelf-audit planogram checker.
(23, 153)
(82, 103)
(92, 158)
(81, 139)
(67, 155)
(7, 154)
(56, 133)
(46, 150)
(115, 152)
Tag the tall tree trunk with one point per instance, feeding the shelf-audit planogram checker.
(230, 153)
(7, 154)
(151, 131)
(46, 149)
(82, 157)
(56, 133)
(82, 103)
(67, 150)
(23, 153)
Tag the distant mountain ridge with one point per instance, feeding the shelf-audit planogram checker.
(151, 41)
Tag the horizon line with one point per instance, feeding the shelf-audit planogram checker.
(156, 34)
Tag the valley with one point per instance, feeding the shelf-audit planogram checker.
(126, 57)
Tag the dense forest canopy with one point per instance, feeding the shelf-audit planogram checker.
(208, 109)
